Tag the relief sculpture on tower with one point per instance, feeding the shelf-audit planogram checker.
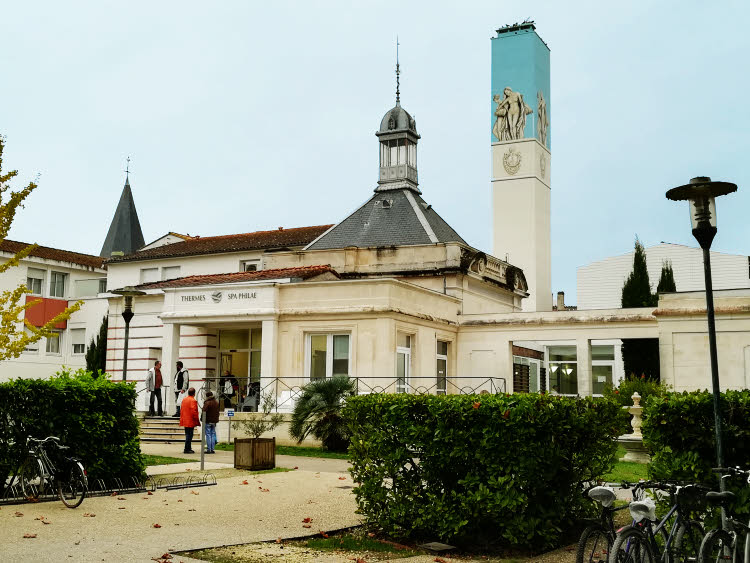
(510, 115)
(542, 122)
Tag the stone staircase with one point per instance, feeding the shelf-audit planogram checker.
(164, 430)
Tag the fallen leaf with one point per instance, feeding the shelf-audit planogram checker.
(114, 494)
(191, 509)
(194, 493)
(29, 535)
(278, 540)
(262, 490)
(244, 482)
(306, 526)
(18, 514)
(120, 508)
(179, 500)
(149, 493)
(156, 526)
(166, 556)
(39, 518)
(145, 498)
(120, 498)
(88, 514)
(322, 533)
(342, 478)
(307, 520)
(46, 522)
(440, 560)
(296, 467)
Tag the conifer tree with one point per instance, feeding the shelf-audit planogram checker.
(96, 355)
(637, 289)
(666, 280)
(15, 332)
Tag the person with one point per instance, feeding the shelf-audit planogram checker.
(154, 383)
(181, 383)
(227, 388)
(189, 419)
(211, 413)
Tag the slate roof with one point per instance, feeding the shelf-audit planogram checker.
(260, 240)
(305, 272)
(124, 233)
(391, 218)
(12, 247)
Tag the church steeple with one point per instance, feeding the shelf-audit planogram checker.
(124, 235)
(398, 138)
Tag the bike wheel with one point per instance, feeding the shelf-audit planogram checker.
(631, 546)
(718, 545)
(72, 488)
(594, 545)
(687, 542)
(32, 478)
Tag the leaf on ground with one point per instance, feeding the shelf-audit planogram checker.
(88, 514)
(191, 509)
(156, 525)
(306, 526)
(305, 521)
(46, 522)
(278, 540)
(166, 556)
(439, 560)
(322, 533)
(296, 467)
(39, 518)
(244, 482)
(342, 478)
(179, 500)
(262, 490)
(29, 535)
(149, 493)
(120, 508)
(18, 514)
(194, 493)
(114, 494)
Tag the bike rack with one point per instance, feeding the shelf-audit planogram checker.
(184, 482)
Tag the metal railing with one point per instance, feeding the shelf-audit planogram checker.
(286, 390)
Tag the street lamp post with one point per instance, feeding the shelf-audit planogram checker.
(128, 293)
(701, 193)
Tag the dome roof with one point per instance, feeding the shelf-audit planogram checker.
(397, 119)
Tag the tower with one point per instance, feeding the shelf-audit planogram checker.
(520, 144)
(124, 235)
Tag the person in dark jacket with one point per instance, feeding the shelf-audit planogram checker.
(211, 412)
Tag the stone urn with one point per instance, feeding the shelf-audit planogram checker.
(633, 443)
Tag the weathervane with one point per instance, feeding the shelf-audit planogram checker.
(127, 169)
(398, 94)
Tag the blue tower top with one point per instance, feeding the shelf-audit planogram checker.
(520, 82)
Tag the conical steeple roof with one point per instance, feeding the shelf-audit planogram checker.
(124, 233)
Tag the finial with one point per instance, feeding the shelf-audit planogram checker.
(398, 94)
(127, 170)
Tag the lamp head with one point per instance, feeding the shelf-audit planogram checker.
(701, 194)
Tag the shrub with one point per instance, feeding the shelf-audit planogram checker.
(478, 467)
(94, 416)
(256, 426)
(318, 412)
(642, 385)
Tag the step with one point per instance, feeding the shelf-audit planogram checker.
(163, 441)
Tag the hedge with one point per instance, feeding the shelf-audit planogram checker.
(478, 467)
(678, 430)
(94, 416)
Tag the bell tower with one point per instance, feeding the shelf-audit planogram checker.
(520, 143)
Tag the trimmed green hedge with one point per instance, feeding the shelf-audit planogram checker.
(94, 416)
(480, 467)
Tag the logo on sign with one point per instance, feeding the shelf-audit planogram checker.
(216, 296)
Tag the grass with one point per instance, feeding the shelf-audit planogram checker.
(302, 451)
(163, 460)
(225, 473)
(626, 470)
(351, 542)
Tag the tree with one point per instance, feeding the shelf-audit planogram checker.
(256, 426)
(640, 355)
(318, 412)
(15, 332)
(666, 280)
(96, 355)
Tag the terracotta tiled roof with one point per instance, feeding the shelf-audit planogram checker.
(12, 246)
(260, 240)
(304, 273)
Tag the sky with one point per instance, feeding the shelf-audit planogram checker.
(241, 116)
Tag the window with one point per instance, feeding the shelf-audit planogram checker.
(35, 280)
(102, 285)
(249, 265)
(149, 275)
(57, 284)
(328, 355)
(170, 272)
(403, 361)
(563, 370)
(442, 368)
(54, 343)
(89, 288)
(78, 339)
(602, 367)
(526, 375)
(31, 347)
(256, 339)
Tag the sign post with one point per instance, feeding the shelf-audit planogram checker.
(229, 413)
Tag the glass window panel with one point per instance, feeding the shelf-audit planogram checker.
(318, 346)
(53, 344)
(102, 285)
(402, 154)
(234, 339)
(394, 155)
(563, 378)
(401, 372)
(57, 284)
(255, 365)
(562, 353)
(601, 378)
(442, 348)
(534, 377)
(403, 340)
(341, 354)
(603, 352)
(35, 280)
(442, 374)
(256, 338)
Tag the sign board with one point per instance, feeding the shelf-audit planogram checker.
(229, 412)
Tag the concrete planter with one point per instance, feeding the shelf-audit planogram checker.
(254, 453)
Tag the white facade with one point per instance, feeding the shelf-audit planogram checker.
(599, 284)
(60, 280)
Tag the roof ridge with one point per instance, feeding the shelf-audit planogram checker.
(285, 229)
(50, 248)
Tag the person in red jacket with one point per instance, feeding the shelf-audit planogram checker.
(189, 419)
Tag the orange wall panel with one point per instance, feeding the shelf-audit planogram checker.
(47, 309)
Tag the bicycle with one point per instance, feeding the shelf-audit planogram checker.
(650, 537)
(596, 539)
(66, 473)
(721, 544)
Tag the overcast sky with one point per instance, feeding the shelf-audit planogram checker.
(242, 116)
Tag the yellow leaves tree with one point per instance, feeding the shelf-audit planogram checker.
(13, 305)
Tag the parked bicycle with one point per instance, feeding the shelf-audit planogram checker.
(650, 539)
(596, 539)
(722, 544)
(55, 470)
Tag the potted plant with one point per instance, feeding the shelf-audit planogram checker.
(257, 453)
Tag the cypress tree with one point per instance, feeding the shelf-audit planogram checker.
(666, 280)
(637, 289)
(96, 355)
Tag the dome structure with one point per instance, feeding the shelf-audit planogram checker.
(397, 119)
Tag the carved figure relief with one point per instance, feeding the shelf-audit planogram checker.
(542, 122)
(512, 161)
(510, 115)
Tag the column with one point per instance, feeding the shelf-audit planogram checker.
(583, 356)
(268, 357)
(505, 364)
(169, 355)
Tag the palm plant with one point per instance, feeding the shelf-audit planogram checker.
(318, 412)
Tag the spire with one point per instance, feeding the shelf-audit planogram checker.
(124, 235)
(398, 94)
